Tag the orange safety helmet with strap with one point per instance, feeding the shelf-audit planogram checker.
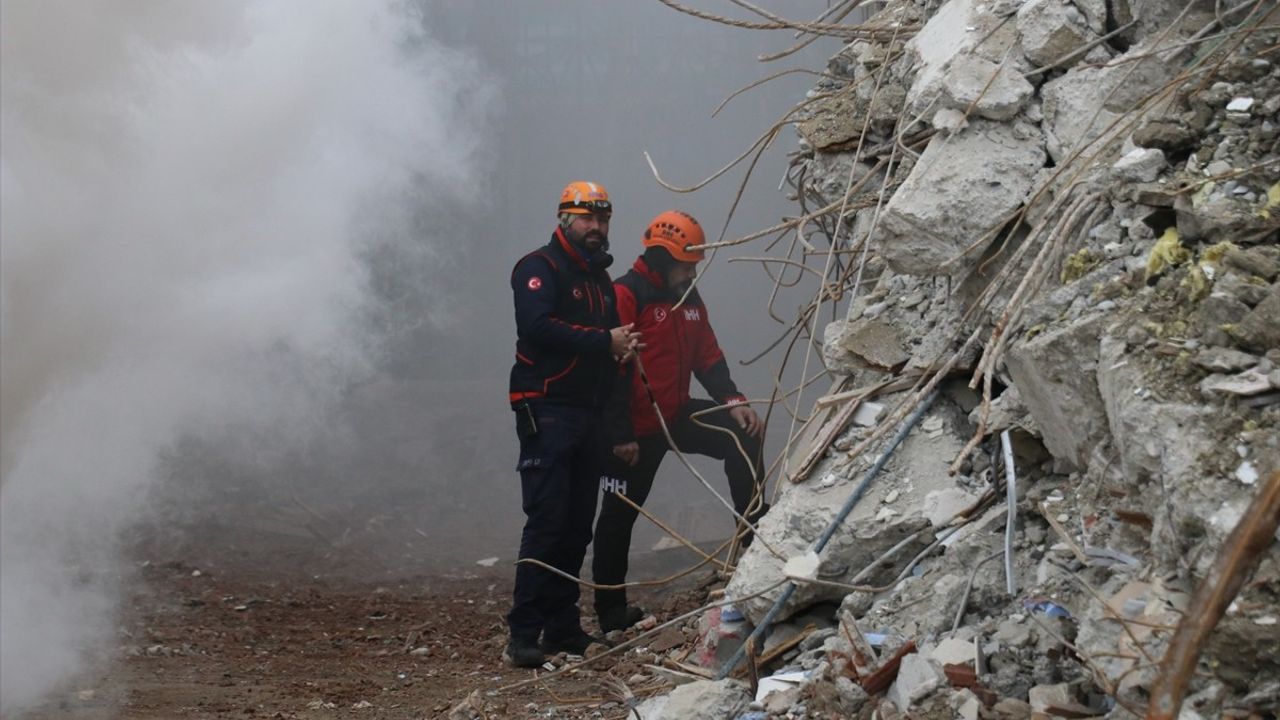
(676, 232)
(585, 198)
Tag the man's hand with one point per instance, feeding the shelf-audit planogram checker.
(747, 419)
(623, 342)
(629, 453)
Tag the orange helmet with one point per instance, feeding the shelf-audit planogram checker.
(675, 231)
(585, 198)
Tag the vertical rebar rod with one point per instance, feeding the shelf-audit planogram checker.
(1011, 516)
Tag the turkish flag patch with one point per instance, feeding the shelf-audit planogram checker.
(535, 283)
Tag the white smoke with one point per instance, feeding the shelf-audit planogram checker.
(185, 193)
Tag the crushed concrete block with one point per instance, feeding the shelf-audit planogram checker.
(1259, 331)
(1224, 360)
(1051, 29)
(965, 704)
(1249, 382)
(804, 510)
(1082, 104)
(993, 90)
(917, 677)
(959, 190)
(949, 120)
(868, 413)
(959, 27)
(700, 700)
(953, 651)
(941, 506)
(874, 342)
(1013, 632)
(1140, 165)
(1055, 375)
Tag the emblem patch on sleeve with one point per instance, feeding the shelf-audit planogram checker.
(535, 283)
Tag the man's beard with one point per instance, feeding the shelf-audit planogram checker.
(593, 241)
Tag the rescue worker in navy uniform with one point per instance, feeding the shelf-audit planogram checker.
(678, 343)
(569, 343)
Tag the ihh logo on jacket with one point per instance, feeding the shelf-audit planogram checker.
(608, 485)
(692, 314)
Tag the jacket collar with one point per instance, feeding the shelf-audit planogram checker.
(653, 277)
(598, 261)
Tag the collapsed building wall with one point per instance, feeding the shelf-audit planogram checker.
(1068, 217)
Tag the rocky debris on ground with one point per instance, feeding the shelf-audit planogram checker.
(1138, 376)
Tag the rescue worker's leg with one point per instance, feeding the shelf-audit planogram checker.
(693, 438)
(617, 519)
(547, 484)
(562, 628)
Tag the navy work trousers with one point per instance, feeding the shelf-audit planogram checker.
(560, 467)
(613, 530)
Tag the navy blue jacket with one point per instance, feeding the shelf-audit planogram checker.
(565, 307)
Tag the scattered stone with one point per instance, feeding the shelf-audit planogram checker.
(1171, 136)
(700, 700)
(941, 506)
(917, 677)
(1240, 104)
(986, 89)
(1224, 360)
(1249, 382)
(1140, 165)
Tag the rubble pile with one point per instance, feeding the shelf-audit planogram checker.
(1067, 216)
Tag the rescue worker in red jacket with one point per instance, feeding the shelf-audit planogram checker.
(569, 343)
(678, 343)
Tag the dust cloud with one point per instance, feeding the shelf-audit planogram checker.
(192, 195)
(254, 297)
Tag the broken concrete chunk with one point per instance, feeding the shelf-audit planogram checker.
(873, 342)
(1081, 105)
(1170, 136)
(1050, 30)
(917, 677)
(991, 90)
(940, 506)
(959, 27)
(1053, 371)
(1224, 360)
(1140, 165)
(1249, 382)
(960, 190)
(949, 120)
(700, 700)
(868, 413)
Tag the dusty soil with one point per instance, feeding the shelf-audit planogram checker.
(206, 643)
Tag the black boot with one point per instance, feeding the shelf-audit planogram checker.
(575, 643)
(619, 617)
(525, 653)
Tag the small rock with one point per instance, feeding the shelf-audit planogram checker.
(1247, 473)
(891, 496)
(1249, 382)
(1224, 360)
(1240, 104)
(1217, 167)
(917, 677)
(1140, 165)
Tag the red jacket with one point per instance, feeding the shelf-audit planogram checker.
(678, 344)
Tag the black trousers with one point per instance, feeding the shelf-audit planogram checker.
(560, 467)
(613, 529)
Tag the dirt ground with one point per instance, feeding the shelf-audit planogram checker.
(222, 642)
